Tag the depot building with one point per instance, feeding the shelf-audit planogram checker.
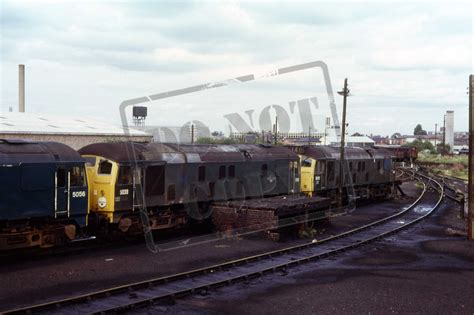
(74, 131)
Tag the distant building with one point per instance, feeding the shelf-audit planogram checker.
(172, 134)
(303, 141)
(351, 141)
(435, 140)
(461, 138)
(380, 140)
(71, 130)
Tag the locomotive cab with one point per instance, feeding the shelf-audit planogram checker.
(102, 174)
(44, 199)
(312, 175)
(307, 175)
(70, 186)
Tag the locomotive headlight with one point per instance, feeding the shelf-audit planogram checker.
(102, 202)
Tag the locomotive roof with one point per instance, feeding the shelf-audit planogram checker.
(124, 152)
(25, 151)
(350, 153)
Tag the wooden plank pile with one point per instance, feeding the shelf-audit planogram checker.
(263, 214)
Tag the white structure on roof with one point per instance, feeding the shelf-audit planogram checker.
(73, 131)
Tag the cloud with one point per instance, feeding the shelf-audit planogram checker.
(396, 54)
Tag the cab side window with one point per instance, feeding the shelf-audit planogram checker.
(78, 177)
(331, 171)
(306, 162)
(105, 167)
(320, 167)
(125, 176)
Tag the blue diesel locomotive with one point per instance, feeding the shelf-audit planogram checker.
(44, 195)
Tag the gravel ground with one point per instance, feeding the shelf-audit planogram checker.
(426, 269)
(355, 277)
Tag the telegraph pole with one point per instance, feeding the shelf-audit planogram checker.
(276, 130)
(309, 136)
(470, 212)
(436, 134)
(344, 93)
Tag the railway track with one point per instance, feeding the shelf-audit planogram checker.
(454, 187)
(145, 293)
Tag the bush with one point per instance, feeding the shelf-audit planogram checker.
(423, 146)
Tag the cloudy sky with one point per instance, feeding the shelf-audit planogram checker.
(407, 61)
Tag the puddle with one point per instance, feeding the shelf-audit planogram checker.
(422, 209)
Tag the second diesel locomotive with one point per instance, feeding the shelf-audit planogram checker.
(178, 182)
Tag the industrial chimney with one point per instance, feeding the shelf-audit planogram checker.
(21, 88)
(450, 129)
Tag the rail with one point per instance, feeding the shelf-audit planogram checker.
(144, 293)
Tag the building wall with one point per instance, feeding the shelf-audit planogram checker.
(76, 141)
(450, 129)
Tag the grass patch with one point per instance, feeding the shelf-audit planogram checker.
(452, 172)
(455, 165)
(439, 159)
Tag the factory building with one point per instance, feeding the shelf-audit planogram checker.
(71, 130)
(189, 133)
(449, 129)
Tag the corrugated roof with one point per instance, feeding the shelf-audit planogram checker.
(32, 123)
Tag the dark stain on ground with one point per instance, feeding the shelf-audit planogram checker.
(459, 248)
(391, 256)
(434, 231)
